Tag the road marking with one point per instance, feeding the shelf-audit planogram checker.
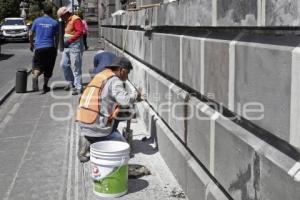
(69, 182)
(76, 162)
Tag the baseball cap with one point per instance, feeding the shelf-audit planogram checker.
(61, 11)
(121, 62)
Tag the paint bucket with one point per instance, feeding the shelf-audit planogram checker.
(109, 168)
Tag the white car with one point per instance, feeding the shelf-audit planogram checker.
(14, 28)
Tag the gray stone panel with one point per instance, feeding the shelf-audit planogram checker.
(110, 34)
(216, 70)
(249, 168)
(147, 49)
(197, 181)
(179, 105)
(198, 132)
(119, 37)
(152, 91)
(139, 48)
(282, 13)
(234, 162)
(192, 178)
(263, 75)
(139, 77)
(170, 11)
(195, 12)
(129, 41)
(191, 63)
(135, 40)
(237, 13)
(173, 153)
(276, 184)
(172, 55)
(157, 50)
(215, 193)
(163, 106)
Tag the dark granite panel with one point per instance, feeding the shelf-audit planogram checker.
(237, 13)
(276, 184)
(282, 12)
(191, 63)
(234, 164)
(263, 78)
(216, 70)
(172, 55)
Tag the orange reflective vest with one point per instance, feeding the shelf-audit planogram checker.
(89, 105)
(69, 29)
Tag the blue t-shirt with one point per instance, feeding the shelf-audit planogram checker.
(45, 28)
(101, 60)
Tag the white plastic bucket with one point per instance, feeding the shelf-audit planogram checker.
(109, 168)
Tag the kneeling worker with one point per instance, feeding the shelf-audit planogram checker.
(101, 104)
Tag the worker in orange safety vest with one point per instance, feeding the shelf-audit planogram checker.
(102, 105)
(71, 61)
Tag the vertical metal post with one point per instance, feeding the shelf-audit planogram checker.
(61, 31)
(72, 2)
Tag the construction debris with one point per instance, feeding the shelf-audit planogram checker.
(136, 171)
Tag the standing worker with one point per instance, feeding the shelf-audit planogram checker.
(71, 61)
(45, 30)
(101, 106)
(85, 30)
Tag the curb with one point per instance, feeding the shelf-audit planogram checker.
(10, 88)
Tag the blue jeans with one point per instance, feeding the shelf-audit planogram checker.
(71, 64)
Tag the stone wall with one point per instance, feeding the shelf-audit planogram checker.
(223, 105)
(217, 13)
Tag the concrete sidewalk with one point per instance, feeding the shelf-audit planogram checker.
(38, 145)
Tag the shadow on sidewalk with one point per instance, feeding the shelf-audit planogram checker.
(135, 185)
(144, 146)
(5, 56)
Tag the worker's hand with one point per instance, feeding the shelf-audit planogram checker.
(66, 44)
(31, 47)
(140, 95)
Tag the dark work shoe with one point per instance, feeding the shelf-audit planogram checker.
(77, 92)
(46, 89)
(69, 87)
(83, 149)
(35, 84)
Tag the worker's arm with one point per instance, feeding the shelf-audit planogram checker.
(56, 36)
(31, 36)
(123, 97)
(78, 31)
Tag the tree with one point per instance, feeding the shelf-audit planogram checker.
(34, 12)
(36, 7)
(9, 8)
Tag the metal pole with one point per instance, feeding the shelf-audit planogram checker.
(72, 6)
(61, 31)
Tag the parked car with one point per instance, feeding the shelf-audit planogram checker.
(14, 28)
